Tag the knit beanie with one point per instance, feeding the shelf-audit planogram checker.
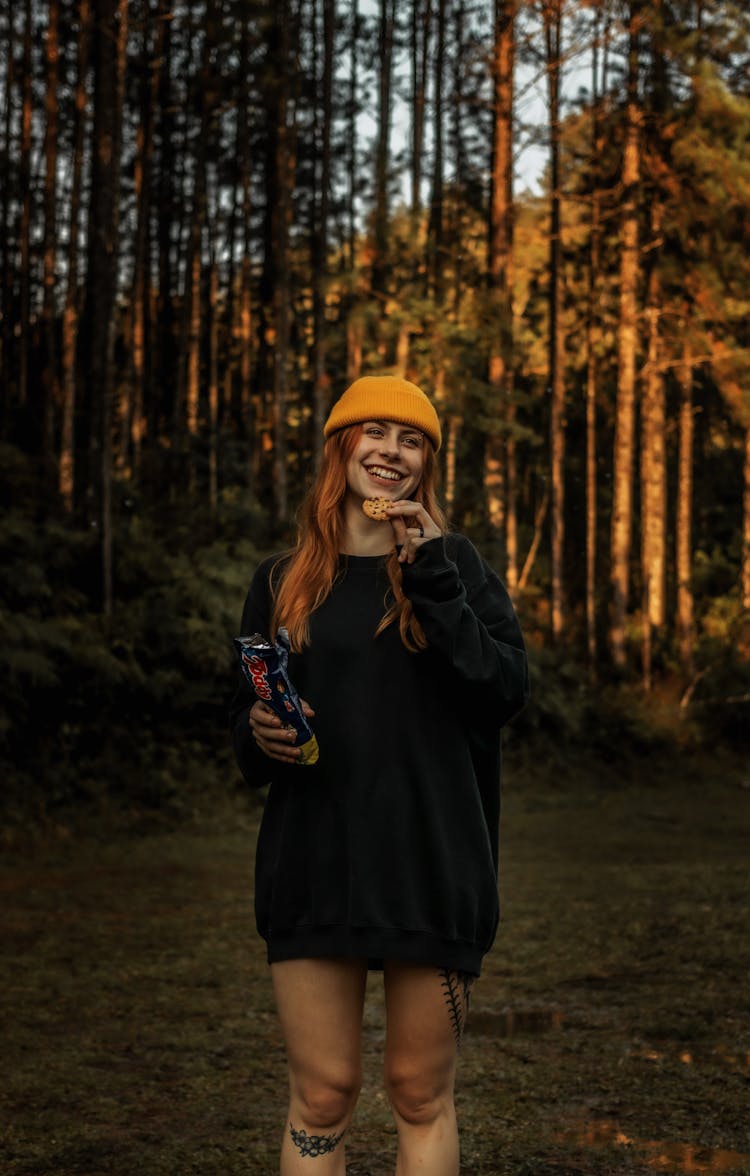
(385, 398)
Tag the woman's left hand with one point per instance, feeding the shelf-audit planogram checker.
(412, 526)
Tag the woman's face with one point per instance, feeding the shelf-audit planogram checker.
(387, 461)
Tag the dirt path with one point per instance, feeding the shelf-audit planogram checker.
(610, 1032)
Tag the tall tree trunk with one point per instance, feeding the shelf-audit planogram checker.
(151, 63)
(420, 39)
(67, 471)
(593, 336)
(110, 33)
(382, 148)
(250, 408)
(213, 387)
(24, 228)
(746, 525)
(275, 290)
(351, 140)
(435, 259)
(320, 252)
(653, 471)
(553, 14)
(7, 280)
(51, 380)
(500, 455)
(163, 340)
(685, 624)
(627, 346)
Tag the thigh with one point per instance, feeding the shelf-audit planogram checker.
(320, 1004)
(426, 1013)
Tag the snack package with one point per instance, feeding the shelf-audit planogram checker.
(265, 666)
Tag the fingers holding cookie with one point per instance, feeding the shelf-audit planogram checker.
(412, 526)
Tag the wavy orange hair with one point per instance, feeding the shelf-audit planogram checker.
(313, 567)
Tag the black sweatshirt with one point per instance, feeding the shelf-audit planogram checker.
(387, 848)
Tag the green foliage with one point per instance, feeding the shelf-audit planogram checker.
(134, 706)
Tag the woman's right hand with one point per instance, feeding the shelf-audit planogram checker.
(274, 738)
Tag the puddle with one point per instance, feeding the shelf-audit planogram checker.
(514, 1022)
(657, 1154)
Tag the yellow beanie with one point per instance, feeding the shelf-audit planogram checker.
(385, 398)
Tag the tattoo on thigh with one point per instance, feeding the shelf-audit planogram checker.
(314, 1145)
(457, 992)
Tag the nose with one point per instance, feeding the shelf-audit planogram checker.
(389, 444)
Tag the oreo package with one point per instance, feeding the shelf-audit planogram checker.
(264, 664)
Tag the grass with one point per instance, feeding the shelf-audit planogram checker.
(610, 1032)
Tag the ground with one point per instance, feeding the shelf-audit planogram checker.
(609, 1033)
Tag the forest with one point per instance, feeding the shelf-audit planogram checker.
(215, 214)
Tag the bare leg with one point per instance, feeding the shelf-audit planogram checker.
(320, 1006)
(426, 1013)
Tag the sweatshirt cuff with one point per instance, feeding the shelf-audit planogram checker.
(433, 573)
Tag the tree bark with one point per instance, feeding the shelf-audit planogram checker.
(746, 525)
(320, 249)
(553, 16)
(421, 15)
(653, 481)
(500, 456)
(593, 337)
(110, 34)
(382, 149)
(67, 471)
(51, 379)
(685, 623)
(24, 227)
(435, 259)
(6, 231)
(627, 346)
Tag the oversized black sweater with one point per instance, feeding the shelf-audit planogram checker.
(387, 848)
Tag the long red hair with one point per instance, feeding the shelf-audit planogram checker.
(308, 575)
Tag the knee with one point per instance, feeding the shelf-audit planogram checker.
(326, 1100)
(419, 1099)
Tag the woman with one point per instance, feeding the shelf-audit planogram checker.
(384, 853)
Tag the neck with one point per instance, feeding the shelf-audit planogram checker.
(363, 536)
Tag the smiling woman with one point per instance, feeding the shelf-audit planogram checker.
(383, 854)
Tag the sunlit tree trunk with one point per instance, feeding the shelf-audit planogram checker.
(500, 456)
(553, 16)
(685, 623)
(653, 477)
(627, 346)
(67, 472)
(593, 335)
(213, 387)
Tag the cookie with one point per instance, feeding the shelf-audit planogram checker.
(375, 508)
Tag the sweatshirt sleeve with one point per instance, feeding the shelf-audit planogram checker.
(469, 621)
(256, 616)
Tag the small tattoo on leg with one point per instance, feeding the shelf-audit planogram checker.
(457, 992)
(314, 1145)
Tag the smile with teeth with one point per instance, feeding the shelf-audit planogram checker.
(382, 472)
